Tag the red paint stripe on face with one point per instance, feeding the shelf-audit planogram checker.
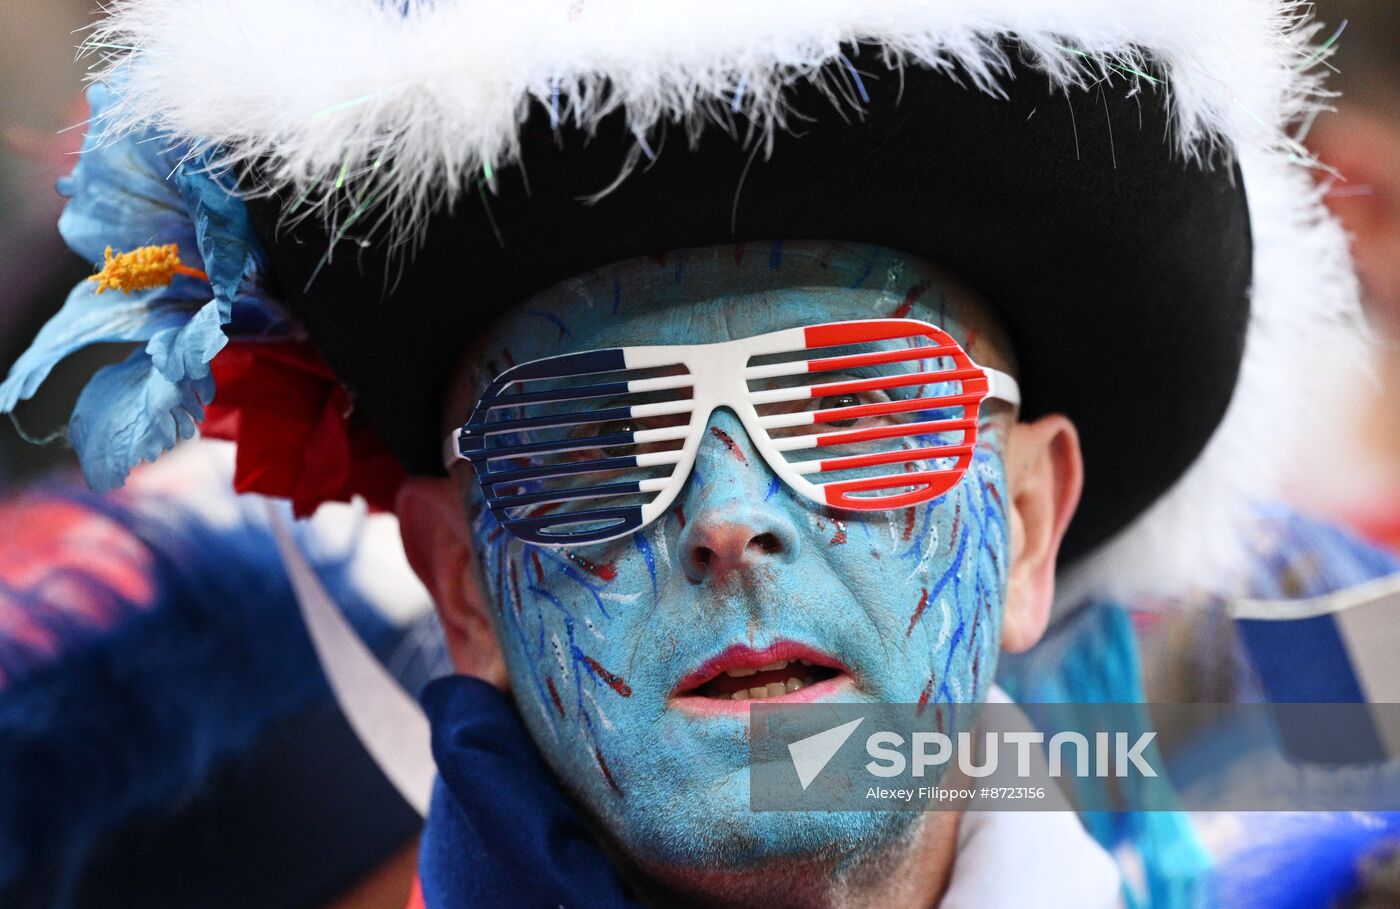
(924, 696)
(728, 442)
(615, 682)
(996, 497)
(606, 571)
(539, 569)
(909, 299)
(909, 515)
(680, 516)
(918, 611)
(840, 538)
(554, 695)
(607, 774)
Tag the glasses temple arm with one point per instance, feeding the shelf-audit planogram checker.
(1000, 386)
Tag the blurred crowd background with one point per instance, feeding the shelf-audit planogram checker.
(41, 112)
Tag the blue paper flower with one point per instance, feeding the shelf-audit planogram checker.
(134, 191)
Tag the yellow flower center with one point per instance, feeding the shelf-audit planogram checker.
(142, 269)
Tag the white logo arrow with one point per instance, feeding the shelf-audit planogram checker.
(812, 754)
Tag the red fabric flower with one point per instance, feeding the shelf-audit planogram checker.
(297, 435)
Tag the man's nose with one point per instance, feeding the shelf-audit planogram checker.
(736, 522)
(717, 543)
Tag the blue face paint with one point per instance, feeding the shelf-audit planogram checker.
(597, 638)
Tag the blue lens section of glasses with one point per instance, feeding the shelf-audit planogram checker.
(613, 359)
(499, 467)
(496, 477)
(625, 519)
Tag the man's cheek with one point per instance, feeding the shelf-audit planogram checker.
(556, 614)
(933, 580)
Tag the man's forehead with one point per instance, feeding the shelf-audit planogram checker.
(720, 293)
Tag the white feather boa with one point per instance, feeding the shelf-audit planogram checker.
(399, 106)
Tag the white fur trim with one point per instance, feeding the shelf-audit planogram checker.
(319, 91)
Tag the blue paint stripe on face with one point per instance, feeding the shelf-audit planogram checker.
(644, 548)
(623, 519)
(617, 438)
(494, 477)
(573, 418)
(562, 495)
(553, 319)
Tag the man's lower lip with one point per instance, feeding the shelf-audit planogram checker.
(817, 691)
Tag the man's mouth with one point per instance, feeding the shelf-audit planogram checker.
(787, 672)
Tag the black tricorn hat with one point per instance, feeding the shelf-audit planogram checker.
(1121, 267)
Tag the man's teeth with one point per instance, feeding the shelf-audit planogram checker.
(771, 667)
(772, 689)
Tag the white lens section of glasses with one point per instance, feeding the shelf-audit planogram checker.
(663, 408)
(660, 458)
(780, 395)
(662, 434)
(776, 370)
(784, 420)
(661, 383)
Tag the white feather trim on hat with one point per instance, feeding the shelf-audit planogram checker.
(321, 93)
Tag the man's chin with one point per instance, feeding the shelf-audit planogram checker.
(713, 830)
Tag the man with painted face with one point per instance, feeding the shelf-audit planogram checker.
(634, 661)
(798, 354)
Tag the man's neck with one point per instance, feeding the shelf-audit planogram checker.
(912, 872)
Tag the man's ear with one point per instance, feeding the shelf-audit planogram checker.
(1045, 473)
(439, 547)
